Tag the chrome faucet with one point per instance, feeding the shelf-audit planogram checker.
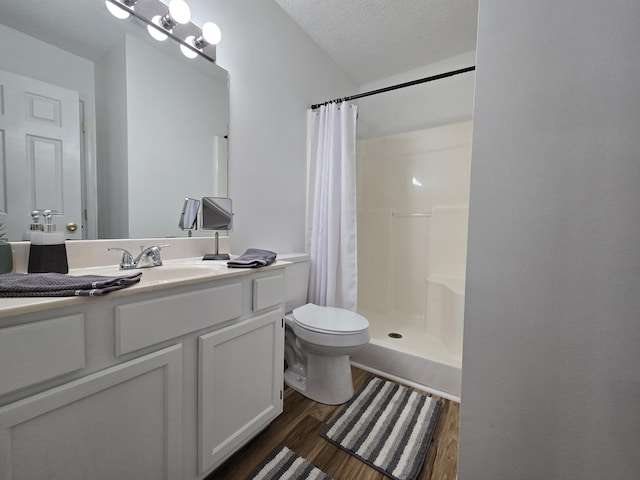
(151, 253)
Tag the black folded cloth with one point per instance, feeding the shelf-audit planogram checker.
(62, 285)
(252, 258)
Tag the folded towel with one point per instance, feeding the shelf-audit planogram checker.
(252, 258)
(62, 285)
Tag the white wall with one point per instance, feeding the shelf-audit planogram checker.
(276, 73)
(111, 143)
(550, 386)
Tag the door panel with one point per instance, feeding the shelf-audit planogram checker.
(39, 154)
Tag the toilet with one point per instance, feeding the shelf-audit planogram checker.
(318, 339)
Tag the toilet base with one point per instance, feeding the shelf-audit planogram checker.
(328, 379)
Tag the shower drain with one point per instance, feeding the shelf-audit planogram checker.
(395, 335)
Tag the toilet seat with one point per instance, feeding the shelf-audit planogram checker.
(329, 320)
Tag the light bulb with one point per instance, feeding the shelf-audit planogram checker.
(180, 11)
(187, 52)
(211, 33)
(154, 32)
(116, 11)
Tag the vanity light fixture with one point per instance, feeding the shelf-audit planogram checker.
(156, 32)
(179, 13)
(211, 35)
(117, 11)
(173, 21)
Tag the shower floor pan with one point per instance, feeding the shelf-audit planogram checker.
(416, 359)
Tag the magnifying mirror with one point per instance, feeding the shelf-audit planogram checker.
(217, 214)
(189, 216)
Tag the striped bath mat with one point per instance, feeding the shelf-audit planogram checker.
(388, 426)
(285, 464)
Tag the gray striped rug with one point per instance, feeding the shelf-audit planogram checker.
(285, 464)
(388, 426)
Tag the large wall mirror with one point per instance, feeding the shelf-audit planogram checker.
(153, 124)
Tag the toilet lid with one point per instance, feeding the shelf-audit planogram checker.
(329, 319)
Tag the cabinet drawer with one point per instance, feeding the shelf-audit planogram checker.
(142, 324)
(267, 292)
(39, 351)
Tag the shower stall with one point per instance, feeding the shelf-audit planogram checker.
(413, 199)
(413, 162)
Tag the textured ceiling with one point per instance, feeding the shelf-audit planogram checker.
(375, 39)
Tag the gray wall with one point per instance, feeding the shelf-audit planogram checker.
(551, 379)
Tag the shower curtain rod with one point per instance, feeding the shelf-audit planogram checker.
(395, 87)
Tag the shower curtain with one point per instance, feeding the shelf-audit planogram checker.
(331, 206)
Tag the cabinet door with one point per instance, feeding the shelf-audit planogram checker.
(123, 422)
(241, 369)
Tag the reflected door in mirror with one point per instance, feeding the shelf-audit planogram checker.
(40, 154)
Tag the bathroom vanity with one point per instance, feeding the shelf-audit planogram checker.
(162, 380)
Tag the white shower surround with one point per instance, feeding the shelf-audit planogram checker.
(429, 353)
(413, 192)
(427, 357)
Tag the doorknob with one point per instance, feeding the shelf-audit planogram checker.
(72, 226)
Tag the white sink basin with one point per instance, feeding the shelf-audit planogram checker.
(170, 272)
(164, 273)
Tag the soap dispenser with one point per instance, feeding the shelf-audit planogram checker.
(34, 226)
(48, 252)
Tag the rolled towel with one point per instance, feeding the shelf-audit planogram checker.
(253, 258)
(61, 285)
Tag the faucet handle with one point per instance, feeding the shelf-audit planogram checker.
(159, 247)
(127, 258)
(154, 252)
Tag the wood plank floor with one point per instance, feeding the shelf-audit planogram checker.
(299, 428)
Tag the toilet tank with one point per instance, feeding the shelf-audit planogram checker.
(296, 279)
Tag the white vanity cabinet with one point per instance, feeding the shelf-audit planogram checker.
(241, 370)
(122, 422)
(240, 384)
(163, 384)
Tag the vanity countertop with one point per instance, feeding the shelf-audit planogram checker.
(178, 272)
